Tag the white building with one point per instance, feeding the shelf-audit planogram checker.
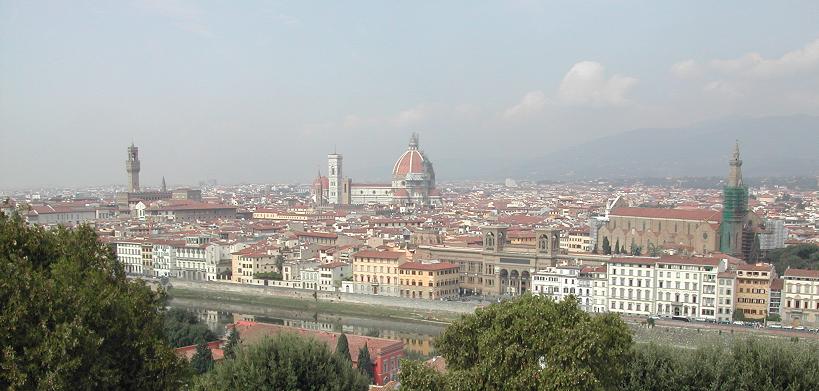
(774, 235)
(800, 297)
(593, 292)
(129, 254)
(309, 278)
(556, 282)
(631, 285)
(688, 286)
(726, 291)
(332, 274)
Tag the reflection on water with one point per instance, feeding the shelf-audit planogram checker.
(417, 337)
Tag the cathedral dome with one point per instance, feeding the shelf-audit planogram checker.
(411, 162)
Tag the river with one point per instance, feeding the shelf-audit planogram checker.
(417, 336)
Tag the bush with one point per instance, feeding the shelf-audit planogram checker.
(284, 362)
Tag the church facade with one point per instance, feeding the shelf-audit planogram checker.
(413, 183)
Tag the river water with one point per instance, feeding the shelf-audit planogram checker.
(417, 337)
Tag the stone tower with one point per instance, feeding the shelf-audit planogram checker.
(734, 209)
(132, 167)
(334, 178)
(164, 186)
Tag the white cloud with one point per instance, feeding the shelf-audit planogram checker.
(410, 116)
(755, 66)
(586, 84)
(532, 102)
(688, 69)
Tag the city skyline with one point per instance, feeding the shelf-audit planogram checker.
(209, 98)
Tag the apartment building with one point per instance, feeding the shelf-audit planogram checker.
(687, 287)
(631, 285)
(775, 297)
(556, 282)
(250, 261)
(376, 272)
(331, 275)
(428, 280)
(596, 275)
(726, 291)
(753, 285)
(800, 297)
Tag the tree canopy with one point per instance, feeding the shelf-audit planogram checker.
(748, 364)
(202, 360)
(800, 256)
(232, 344)
(72, 321)
(183, 328)
(284, 362)
(530, 343)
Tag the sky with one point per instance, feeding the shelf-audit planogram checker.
(260, 92)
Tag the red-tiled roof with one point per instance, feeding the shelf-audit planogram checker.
(634, 260)
(689, 260)
(333, 265)
(761, 267)
(802, 273)
(378, 254)
(777, 284)
(674, 214)
(428, 266)
(410, 162)
(187, 352)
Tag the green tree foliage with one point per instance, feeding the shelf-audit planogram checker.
(365, 363)
(749, 364)
(606, 245)
(530, 343)
(343, 347)
(70, 320)
(800, 256)
(183, 328)
(617, 249)
(773, 318)
(202, 360)
(284, 362)
(232, 344)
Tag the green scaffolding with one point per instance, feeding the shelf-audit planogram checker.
(734, 210)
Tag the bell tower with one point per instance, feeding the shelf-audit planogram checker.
(734, 209)
(132, 167)
(334, 178)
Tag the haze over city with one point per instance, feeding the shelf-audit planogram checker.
(261, 92)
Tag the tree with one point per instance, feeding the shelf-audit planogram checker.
(773, 318)
(280, 264)
(617, 249)
(800, 256)
(232, 344)
(202, 361)
(365, 363)
(738, 315)
(343, 347)
(529, 343)
(606, 245)
(183, 328)
(283, 362)
(70, 320)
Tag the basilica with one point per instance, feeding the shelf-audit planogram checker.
(413, 183)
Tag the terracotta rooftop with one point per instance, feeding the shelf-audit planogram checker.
(802, 273)
(378, 254)
(428, 266)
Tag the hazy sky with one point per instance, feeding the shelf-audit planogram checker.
(245, 91)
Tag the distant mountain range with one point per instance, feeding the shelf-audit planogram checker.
(770, 147)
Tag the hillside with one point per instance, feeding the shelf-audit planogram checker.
(771, 146)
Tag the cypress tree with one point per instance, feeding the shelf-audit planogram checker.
(202, 361)
(232, 344)
(365, 364)
(606, 245)
(343, 347)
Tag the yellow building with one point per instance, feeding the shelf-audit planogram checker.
(376, 272)
(753, 286)
(247, 262)
(429, 280)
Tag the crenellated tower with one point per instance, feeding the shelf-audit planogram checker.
(132, 167)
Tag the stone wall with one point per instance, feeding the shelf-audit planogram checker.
(255, 290)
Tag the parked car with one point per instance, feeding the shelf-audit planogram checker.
(739, 323)
(681, 318)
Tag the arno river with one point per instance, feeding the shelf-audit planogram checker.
(417, 336)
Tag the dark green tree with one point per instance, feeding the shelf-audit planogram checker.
(70, 320)
(617, 249)
(232, 344)
(365, 363)
(283, 362)
(183, 328)
(530, 343)
(606, 245)
(202, 360)
(280, 264)
(343, 347)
